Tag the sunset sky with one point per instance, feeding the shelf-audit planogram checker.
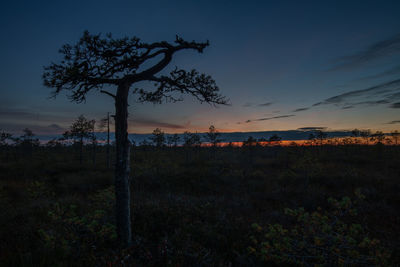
(283, 64)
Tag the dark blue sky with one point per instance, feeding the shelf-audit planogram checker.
(283, 64)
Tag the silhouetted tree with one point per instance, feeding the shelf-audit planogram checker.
(395, 135)
(355, 133)
(191, 139)
(145, 143)
(378, 136)
(365, 134)
(173, 140)
(250, 142)
(311, 138)
(274, 139)
(321, 136)
(27, 141)
(79, 130)
(54, 143)
(4, 137)
(158, 137)
(95, 61)
(213, 136)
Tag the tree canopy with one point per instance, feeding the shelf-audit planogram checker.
(95, 61)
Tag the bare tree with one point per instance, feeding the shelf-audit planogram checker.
(96, 61)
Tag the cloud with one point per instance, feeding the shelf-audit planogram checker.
(348, 107)
(11, 112)
(374, 91)
(28, 115)
(154, 123)
(249, 104)
(265, 104)
(312, 128)
(382, 49)
(393, 122)
(300, 109)
(367, 103)
(270, 118)
(392, 71)
(395, 105)
(17, 128)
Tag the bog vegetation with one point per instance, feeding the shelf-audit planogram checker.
(329, 205)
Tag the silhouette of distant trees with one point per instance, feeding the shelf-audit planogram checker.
(251, 141)
(80, 130)
(173, 140)
(191, 139)
(95, 61)
(395, 136)
(274, 139)
(4, 136)
(158, 138)
(378, 137)
(321, 136)
(311, 138)
(212, 136)
(365, 134)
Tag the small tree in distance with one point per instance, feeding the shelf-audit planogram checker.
(321, 136)
(395, 135)
(365, 134)
(95, 61)
(4, 136)
(173, 140)
(158, 137)
(191, 139)
(27, 141)
(275, 139)
(79, 130)
(213, 136)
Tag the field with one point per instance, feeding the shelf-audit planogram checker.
(204, 206)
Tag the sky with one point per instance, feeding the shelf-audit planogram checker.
(283, 65)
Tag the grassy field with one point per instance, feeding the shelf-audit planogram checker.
(204, 206)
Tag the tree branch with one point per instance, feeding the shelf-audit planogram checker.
(108, 93)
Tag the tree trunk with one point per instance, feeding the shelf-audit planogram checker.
(122, 167)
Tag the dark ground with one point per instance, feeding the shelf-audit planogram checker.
(203, 207)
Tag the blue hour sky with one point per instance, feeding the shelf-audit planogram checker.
(283, 64)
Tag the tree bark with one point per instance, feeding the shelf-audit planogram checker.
(122, 167)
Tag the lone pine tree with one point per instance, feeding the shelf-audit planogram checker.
(94, 62)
